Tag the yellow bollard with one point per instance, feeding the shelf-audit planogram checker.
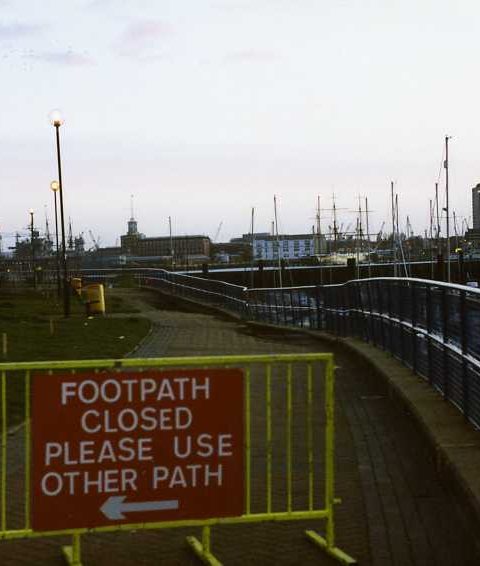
(95, 299)
(76, 284)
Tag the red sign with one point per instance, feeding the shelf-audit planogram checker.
(111, 448)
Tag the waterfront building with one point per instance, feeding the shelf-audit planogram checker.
(194, 248)
(293, 246)
(476, 207)
(473, 235)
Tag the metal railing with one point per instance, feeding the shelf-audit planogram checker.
(207, 291)
(432, 327)
(210, 291)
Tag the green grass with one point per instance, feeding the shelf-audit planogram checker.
(28, 319)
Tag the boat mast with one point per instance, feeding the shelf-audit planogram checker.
(455, 229)
(335, 232)
(438, 217)
(399, 240)
(368, 239)
(319, 227)
(447, 209)
(357, 249)
(252, 280)
(319, 238)
(278, 242)
(172, 260)
(359, 235)
(431, 237)
(394, 247)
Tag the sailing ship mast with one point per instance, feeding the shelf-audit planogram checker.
(359, 245)
(431, 237)
(368, 240)
(172, 255)
(278, 242)
(447, 210)
(399, 240)
(319, 228)
(318, 240)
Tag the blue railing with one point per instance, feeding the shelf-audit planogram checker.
(432, 327)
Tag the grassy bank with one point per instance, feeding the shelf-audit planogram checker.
(37, 331)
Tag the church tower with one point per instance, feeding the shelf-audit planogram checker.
(129, 241)
(132, 223)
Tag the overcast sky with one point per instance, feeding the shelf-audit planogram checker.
(203, 109)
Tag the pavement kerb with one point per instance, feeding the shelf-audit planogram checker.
(454, 443)
(137, 346)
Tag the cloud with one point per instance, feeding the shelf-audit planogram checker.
(139, 40)
(145, 32)
(231, 6)
(252, 56)
(67, 58)
(15, 31)
(143, 58)
(94, 4)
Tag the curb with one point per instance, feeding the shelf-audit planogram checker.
(137, 346)
(454, 443)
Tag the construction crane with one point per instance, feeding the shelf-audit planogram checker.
(96, 241)
(379, 237)
(380, 232)
(217, 233)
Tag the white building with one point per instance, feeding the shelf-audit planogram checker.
(288, 246)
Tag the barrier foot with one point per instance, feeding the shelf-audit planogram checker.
(333, 551)
(205, 555)
(72, 553)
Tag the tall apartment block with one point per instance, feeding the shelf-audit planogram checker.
(476, 207)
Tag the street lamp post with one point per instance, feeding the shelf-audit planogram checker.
(32, 244)
(57, 120)
(54, 185)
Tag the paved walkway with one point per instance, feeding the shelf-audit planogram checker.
(394, 511)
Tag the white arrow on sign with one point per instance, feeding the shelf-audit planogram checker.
(114, 507)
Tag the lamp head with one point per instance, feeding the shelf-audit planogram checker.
(30, 211)
(56, 118)
(54, 185)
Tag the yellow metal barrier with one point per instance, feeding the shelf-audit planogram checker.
(288, 387)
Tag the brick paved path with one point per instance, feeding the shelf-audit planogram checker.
(394, 511)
